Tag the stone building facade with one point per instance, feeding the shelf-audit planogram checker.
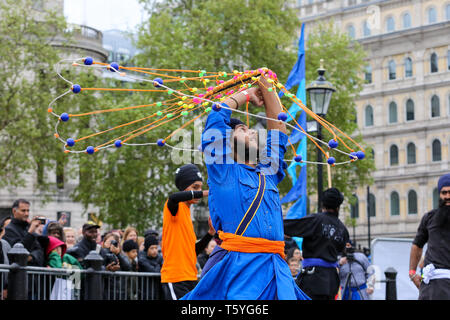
(404, 108)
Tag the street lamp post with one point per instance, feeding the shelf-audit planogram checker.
(320, 92)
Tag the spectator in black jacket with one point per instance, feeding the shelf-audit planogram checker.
(204, 255)
(113, 259)
(87, 243)
(131, 248)
(22, 230)
(150, 260)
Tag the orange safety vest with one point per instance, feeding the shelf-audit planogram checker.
(178, 246)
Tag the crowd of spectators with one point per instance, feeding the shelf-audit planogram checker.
(53, 245)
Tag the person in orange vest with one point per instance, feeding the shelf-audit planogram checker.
(179, 244)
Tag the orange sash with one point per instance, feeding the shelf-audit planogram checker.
(233, 242)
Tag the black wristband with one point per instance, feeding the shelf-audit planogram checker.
(237, 104)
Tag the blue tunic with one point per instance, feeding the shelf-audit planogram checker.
(232, 188)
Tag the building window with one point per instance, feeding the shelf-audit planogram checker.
(369, 116)
(372, 205)
(368, 74)
(448, 101)
(390, 24)
(411, 153)
(408, 68)
(392, 70)
(60, 174)
(435, 107)
(354, 208)
(366, 29)
(406, 21)
(409, 110)
(392, 112)
(434, 63)
(435, 198)
(395, 204)
(432, 16)
(351, 31)
(436, 150)
(447, 12)
(393, 155)
(448, 60)
(412, 202)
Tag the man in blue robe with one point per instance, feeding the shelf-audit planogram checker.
(245, 205)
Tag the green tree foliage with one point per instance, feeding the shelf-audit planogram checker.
(26, 58)
(131, 184)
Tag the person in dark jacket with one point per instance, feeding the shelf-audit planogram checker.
(150, 260)
(131, 248)
(114, 260)
(433, 230)
(324, 237)
(22, 230)
(204, 255)
(87, 244)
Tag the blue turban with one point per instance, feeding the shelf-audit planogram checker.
(444, 181)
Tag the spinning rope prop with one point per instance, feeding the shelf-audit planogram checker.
(211, 88)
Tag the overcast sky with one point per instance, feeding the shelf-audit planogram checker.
(104, 14)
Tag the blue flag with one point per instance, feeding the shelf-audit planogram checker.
(298, 192)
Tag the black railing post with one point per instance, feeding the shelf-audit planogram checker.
(94, 285)
(391, 283)
(17, 277)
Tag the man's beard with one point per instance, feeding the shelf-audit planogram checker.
(246, 153)
(443, 213)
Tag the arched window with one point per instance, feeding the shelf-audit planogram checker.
(434, 63)
(408, 68)
(395, 204)
(436, 150)
(372, 205)
(406, 20)
(392, 112)
(351, 31)
(354, 208)
(447, 12)
(412, 202)
(393, 155)
(366, 29)
(435, 107)
(368, 74)
(390, 24)
(432, 15)
(435, 198)
(369, 116)
(409, 110)
(411, 153)
(392, 70)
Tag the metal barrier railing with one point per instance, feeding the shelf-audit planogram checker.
(70, 284)
(36, 283)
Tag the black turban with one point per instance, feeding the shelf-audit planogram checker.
(234, 122)
(187, 175)
(332, 198)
